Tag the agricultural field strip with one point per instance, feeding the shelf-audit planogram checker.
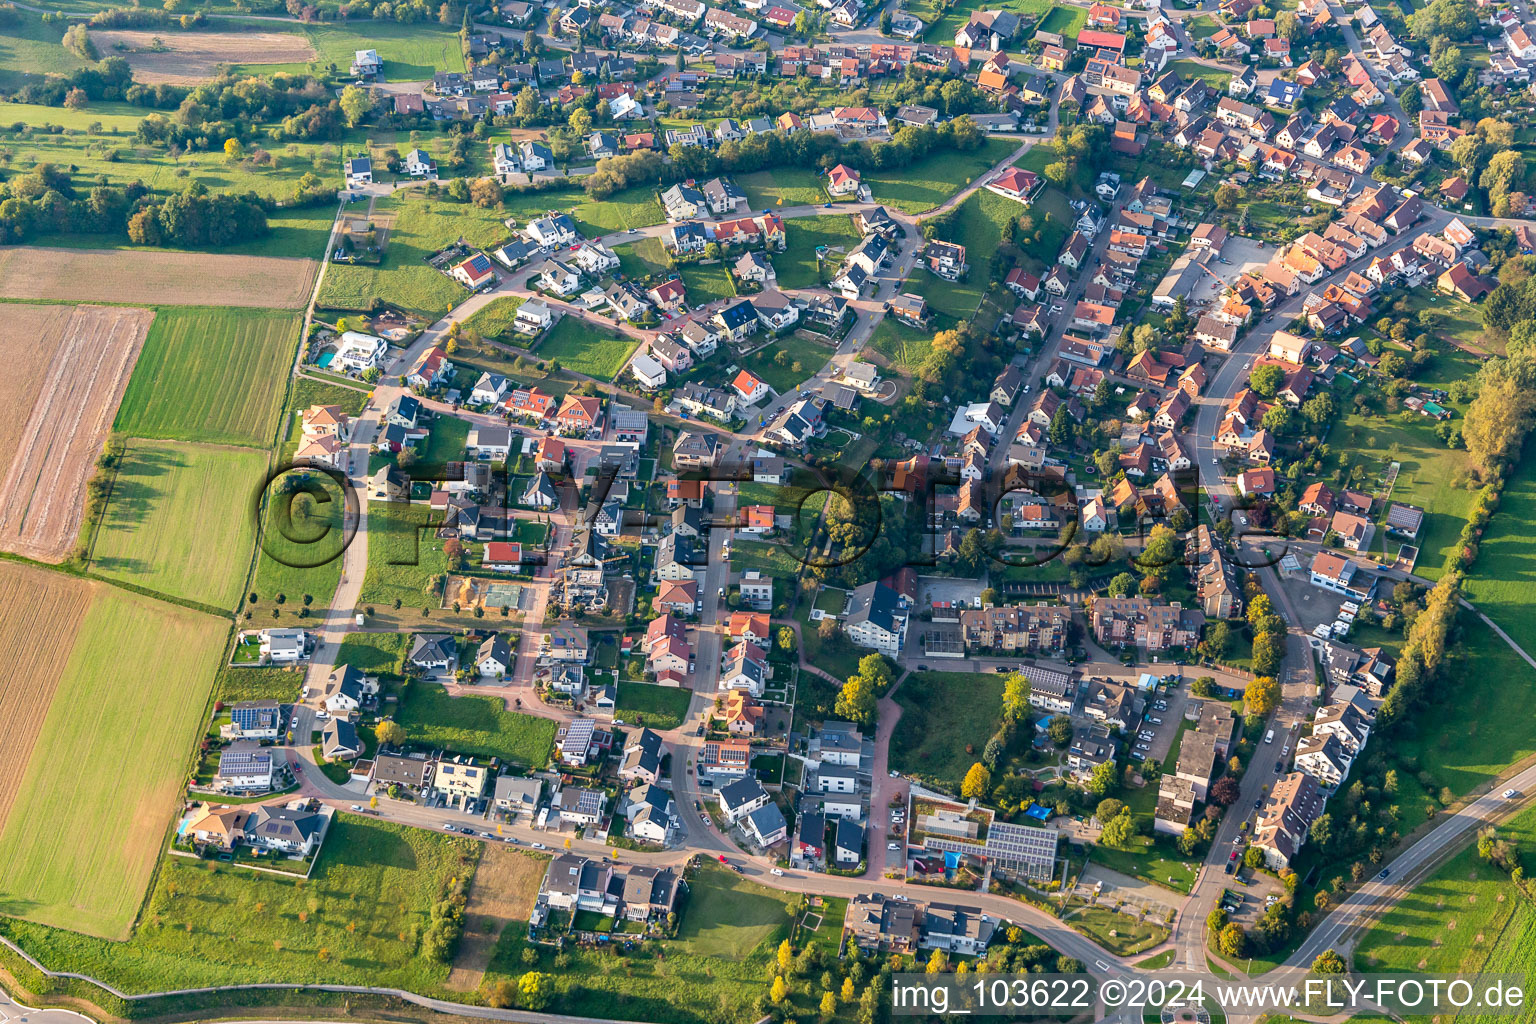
(86, 828)
(187, 58)
(154, 277)
(33, 605)
(43, 494)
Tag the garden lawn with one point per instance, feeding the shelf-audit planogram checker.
(712, 974)
(904, 345)
(768, 556)
(782, 186)
(495, 319)
(728, 916)
(942, 712)
(403, 555)
(936, 177)
(374, 653)
(446, 442)
(585, 349)
(796, 266)
(180, 520)
(474, 725)
(783, 379)
(422, 227)
(978, 226)
(642, 259)
(111, 757)
(658, 707)
(366, 905)
(706, 283)
(210, 375)
(302, 536)
(1426, 477)
(1066, 21)
(1189, 70)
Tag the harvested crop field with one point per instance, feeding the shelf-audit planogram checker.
(42, 495)
(187, 58)
(506, 884)
(40, 613)
(154, 278)
(89, 819)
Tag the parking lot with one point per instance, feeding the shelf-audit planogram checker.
(1313, 605)
(1242, 255)
(1247, 895)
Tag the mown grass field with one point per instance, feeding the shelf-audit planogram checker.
(30, 47)
(936, 177)
(495, 319)
(586, 349)
(1067, 21)
(796, 266)
(1427, 476)
(403, 555)
(941, 713)
(1458, 918)
(978, 226)
(411, 52)
(642, 259)
(85, 833)
(1486, 725)
(366, 906)
(422, 226)
(474, 725)
(213, 375)
(181, 520)
(706, 283)
(374, 653)
(808, 355)
(1505, 560)
(302, 522)
(782, 186)
(712, 973)
(659, 707)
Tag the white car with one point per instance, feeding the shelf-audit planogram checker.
(893, 846)
(1510, 794)
(538, 846)
(357, 807)
(778, 872)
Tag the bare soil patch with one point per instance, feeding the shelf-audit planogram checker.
(187, 58)
(42, 494)
(506, 885)
(40, 613)
(154, 278)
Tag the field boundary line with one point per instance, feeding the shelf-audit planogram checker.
(427, 1002)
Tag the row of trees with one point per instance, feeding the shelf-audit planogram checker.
(45, 201)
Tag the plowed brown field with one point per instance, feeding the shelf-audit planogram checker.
(188, 58)
(92, 350)
(154, 278)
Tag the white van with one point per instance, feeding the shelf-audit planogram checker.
(1269, 737)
